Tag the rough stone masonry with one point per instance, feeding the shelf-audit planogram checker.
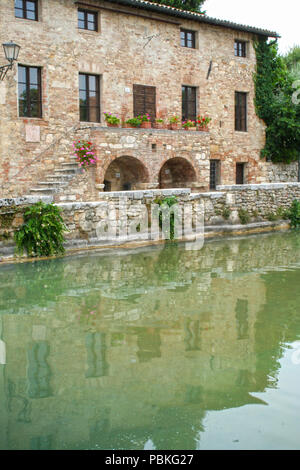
(131, 46)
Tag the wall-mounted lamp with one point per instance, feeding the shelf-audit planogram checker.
(11, 51)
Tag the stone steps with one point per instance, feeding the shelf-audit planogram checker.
(58, 179)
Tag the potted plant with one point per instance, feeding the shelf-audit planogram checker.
(145, 121)
(202, 123)
(189, 125)
(133, 122)
(174, 123)
(159, 123)
(84, 153)
(111, 120)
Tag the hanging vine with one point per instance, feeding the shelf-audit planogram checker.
(274, 104)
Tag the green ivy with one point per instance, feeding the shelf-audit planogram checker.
(274, 105)
(294, 214)
(42, 231)
(165, 203)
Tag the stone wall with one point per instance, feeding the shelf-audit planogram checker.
(88, 221)
(280, 172)
(122, 55)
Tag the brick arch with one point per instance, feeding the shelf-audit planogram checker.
(176, 172)
(125, 172)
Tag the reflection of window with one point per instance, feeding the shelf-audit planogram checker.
(149, 343)
(88, 20)
(241, 316)
(192, 337)
(89, 98)
(27, 9)
(39, 372)
(96, 355)
(29, 91)
(41, 443)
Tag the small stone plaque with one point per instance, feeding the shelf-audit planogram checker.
(33, 133)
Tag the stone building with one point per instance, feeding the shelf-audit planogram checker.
(80, 59)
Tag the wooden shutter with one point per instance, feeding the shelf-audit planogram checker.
(144, 100)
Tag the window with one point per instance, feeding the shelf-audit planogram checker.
(88, 20)
(27, 9)
(240, 111)
(144, 101)
(188, 38)
(89, 98)
(29, 92)
(189, 103)
(214, 174)
(240, 173)
(240, 48)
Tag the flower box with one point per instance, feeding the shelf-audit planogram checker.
(112, 125)
(175, 126)
(146, 125)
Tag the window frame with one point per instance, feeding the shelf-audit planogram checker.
(240, 46)
(214, 173)
(25, 10)
(87, 90)
(185, 103)
(240, 121)
(186, 40)
(27, 86)
(86, 13)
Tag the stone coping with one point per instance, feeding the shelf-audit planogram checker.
(140, 129)
(257, 187)
(146, 193)
(24, 200)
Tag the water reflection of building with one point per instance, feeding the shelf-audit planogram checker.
(145, 359)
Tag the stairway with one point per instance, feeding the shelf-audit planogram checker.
(56, 182)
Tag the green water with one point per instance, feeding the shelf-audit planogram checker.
(160, 348)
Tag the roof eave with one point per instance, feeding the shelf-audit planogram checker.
(164, 9)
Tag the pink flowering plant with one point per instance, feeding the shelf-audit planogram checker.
(84, 153)
(145, 117)
(111, 119)
(188, 124)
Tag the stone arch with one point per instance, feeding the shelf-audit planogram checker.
(125, 173)
(177, 172)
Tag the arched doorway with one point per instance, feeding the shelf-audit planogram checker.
(125, 174)
(176, 173)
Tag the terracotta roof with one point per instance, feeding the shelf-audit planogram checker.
(190, 15)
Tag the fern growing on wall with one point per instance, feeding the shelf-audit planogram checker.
(42, 231)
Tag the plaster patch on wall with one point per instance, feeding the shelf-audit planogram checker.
(2, 93)
(57, 84)
(33, 133)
